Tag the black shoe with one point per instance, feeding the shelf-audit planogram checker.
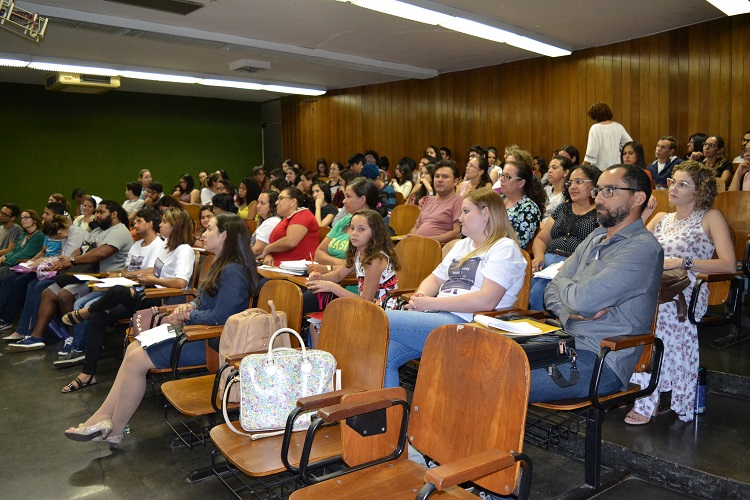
(73, 358)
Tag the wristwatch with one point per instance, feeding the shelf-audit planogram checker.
(687, 263)
(72, 260)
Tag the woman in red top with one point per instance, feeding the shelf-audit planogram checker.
(296, 236)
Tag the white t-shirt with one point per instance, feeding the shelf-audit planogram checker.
(143, 257)
(206, 196)
(605, 143)
(131, 206)
(175, 264)
(263, 233)
(503, 264)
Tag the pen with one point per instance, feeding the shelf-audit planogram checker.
(312, 263)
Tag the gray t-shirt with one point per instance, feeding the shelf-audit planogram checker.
(9, 235)
(117, 236)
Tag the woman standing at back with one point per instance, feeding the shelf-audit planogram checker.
(606, 138)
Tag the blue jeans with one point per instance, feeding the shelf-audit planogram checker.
(543, 388)
(409, 331)
(34, 290)
(538, 285)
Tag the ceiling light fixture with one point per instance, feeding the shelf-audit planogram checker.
(460, 23)
(731, 7)
(152, 74)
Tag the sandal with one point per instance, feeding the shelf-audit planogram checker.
(635, 418)
(78, 384)
(73, 318)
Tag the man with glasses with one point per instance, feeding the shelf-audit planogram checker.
(9, 230)
(661, 168)
(608, 287)
(745, 143)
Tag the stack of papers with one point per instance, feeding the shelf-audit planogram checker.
(549, 272)
(521, 327)
(157, 335)
(296, 266)
(279, 270)
(110, 282)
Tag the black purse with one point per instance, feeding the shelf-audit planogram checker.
(65, 277)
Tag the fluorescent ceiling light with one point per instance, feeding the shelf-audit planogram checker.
(404, 10)
(14, 63)
(159, 77)
(293, 90)
(86, 70)
(460, 24)
(212, 82)
(731, 7)
(476, 29)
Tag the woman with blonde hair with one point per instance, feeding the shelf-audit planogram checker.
(483, 271)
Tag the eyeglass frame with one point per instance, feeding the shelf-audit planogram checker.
(609, 189)
(507, 177)
(679, 186)
(577, 182)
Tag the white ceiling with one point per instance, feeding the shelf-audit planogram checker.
(321, 42)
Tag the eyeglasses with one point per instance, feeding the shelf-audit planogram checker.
(284, 198)
(6, 214)
(471, 165)
(609, 191)
(577, 182)
(24, 217)
(507, 177)
(710, 145)
(679, 186)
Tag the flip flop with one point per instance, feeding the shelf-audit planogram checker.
(77, 384)
(73, 318)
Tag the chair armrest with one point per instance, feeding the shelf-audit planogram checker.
(236, 359)
(627, 341)
(714, 277)
(323, 400)
(401, 291)
(342, 411)
(202, 332)
(468, 468)
(159, 293)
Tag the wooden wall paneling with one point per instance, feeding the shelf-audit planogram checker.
(739, 121)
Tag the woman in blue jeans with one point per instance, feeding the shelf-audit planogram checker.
(227, 289)
(483, 271)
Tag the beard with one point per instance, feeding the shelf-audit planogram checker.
(101, 224)
(610, 218)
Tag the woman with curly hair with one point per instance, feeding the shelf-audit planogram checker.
(606, 138)
(523, 194)
(690, 236)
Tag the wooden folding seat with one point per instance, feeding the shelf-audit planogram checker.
(194, 210)
(196, 397)
(418, 256)
(356, 332)
(467, 415)
(403, 218)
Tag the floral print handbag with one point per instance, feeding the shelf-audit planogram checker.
(271, 384)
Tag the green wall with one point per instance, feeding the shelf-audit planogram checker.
(56, 141)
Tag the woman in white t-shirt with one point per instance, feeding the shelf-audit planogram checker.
(173, 268)
(267, 214)
(482, 272)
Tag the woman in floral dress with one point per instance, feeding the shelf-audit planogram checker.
(689, 236)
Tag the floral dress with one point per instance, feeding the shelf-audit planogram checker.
(679, 371)
(525, 218)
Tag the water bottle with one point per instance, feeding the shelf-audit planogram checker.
(700, 392)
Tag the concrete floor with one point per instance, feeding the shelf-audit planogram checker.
(669, 458)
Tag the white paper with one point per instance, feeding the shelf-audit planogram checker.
(549, 272)
(85, 277)
(295, 265)
(280, 270)
(156, 335)
(110, 282)
(519, 328)
(28, 263)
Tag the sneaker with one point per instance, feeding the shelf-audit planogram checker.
(66, 347)
(28, 343)
(14, 337)
(73, 358)
(4, 325)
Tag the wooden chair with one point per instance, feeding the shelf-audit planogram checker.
(735, 205)
(356, 332)
(662, 202)
(467, 415)
(522, 300)
(194, 210)
(725, 296)
(252, 225)
(323, 232)
(403, 218)
(419, 256)
(196, 397)
(399, 198)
